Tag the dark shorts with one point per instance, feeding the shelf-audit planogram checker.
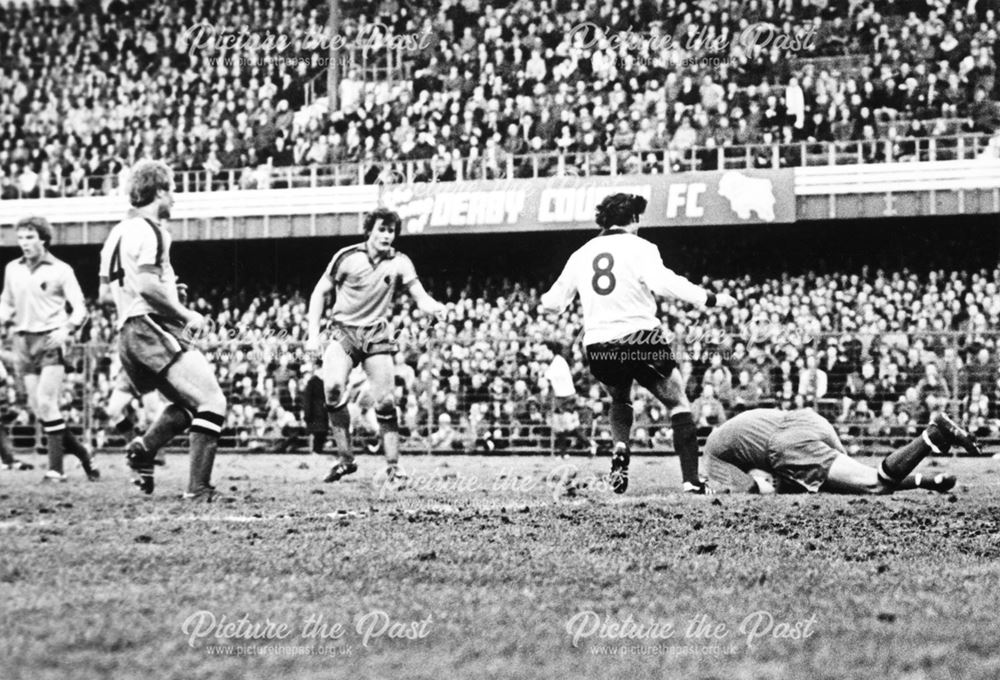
(148, 346)
(646, 357)
(31, 356)
(360, 342)
(564, 404)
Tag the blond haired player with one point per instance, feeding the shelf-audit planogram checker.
(155, 332)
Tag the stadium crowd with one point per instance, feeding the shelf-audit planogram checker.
(87, 88)
(876, 352)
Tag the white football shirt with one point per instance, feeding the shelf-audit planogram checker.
(561, 378)
(133, 243)
(618, 276)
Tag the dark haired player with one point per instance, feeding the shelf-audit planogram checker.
(767, 450)
(618, 276)
(364, 279)
(155, 329)
(36, 290)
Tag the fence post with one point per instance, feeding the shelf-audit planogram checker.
(88, 387)
(552, 423)
(430, 407)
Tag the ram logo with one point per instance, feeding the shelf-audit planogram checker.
(748, 195)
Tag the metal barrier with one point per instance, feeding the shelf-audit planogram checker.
(878, 392)
(502, 166)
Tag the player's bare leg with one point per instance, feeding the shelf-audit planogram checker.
(939, 437)
(123, 422)
(670, 391)
(848, 476)
(620, 414)
(31, 389)
(52, 378)
(381, 377)
(116, 407)
(894, 473)
(336, 369)
(192, 382)
(55, 450)
(46, 387)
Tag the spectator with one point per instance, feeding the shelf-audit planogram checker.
(812, 381)
(314, 413)
(708, 410)
(932, 392)
(980, 371)
(747, 394)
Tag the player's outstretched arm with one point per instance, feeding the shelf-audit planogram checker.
(409, 280)
(558, 297)
(666, 283)
(317, 302)
(425, 303)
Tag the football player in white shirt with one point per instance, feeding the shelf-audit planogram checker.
(156, 331)
(618, 276)
(565, 419)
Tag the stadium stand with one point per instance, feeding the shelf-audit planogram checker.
(877, 352)
(495, 90)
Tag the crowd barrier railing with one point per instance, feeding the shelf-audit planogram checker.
(500, 165)
(510, 417)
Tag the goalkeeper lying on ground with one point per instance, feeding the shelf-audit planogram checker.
(773, 451)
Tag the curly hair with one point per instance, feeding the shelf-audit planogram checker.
(620, 210)
(39, 225)
(148, 178)
(382, 215)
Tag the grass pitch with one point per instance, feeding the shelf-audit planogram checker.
(492, 568)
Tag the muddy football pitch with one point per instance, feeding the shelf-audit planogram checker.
(499, 567)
